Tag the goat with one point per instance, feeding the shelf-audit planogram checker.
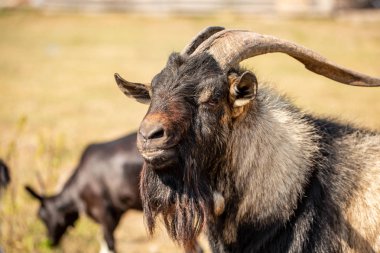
(287, 181)
(4, 175)
(104, 185)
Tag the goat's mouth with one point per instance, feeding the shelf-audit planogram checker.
(159, 158)
(52, 242)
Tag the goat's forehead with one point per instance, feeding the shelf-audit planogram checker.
(188, 81)
(189, 89)
(185, 72)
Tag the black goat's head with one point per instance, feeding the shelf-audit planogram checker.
(56, 218)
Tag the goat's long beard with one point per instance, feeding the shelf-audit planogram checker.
(182, 196)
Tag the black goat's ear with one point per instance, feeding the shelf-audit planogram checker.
(138, 91)
(243, 88)
(33, 193)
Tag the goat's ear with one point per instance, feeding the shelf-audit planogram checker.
(243, 88)
(32, 192)
(138, 91)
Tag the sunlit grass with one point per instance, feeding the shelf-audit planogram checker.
(57, 95)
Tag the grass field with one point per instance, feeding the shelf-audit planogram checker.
(57, 95)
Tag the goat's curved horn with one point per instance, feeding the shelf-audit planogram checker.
(32, 192)
(201, 37)
(230, 47)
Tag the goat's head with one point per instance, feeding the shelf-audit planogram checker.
(55, 217)
(195, 102)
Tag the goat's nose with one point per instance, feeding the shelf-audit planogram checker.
(152, 130)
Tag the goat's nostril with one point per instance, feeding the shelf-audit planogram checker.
(157, 133)
(150, 132)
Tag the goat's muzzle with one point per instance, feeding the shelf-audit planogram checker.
(155, 143)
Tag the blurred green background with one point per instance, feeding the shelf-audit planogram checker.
(57, 94)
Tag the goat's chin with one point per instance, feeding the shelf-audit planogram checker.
(183, 202)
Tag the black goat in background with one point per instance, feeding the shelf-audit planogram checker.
(104, 186)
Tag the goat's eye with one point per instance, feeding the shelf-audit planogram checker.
(209, 99)
(211, 102)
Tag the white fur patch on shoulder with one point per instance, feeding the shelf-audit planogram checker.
(219, 203)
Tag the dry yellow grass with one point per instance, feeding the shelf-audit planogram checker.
(57, 94)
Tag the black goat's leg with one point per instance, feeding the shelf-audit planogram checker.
(109, 240)
(109, 224)
(108, 244)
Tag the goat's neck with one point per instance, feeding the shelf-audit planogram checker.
(271, 156)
